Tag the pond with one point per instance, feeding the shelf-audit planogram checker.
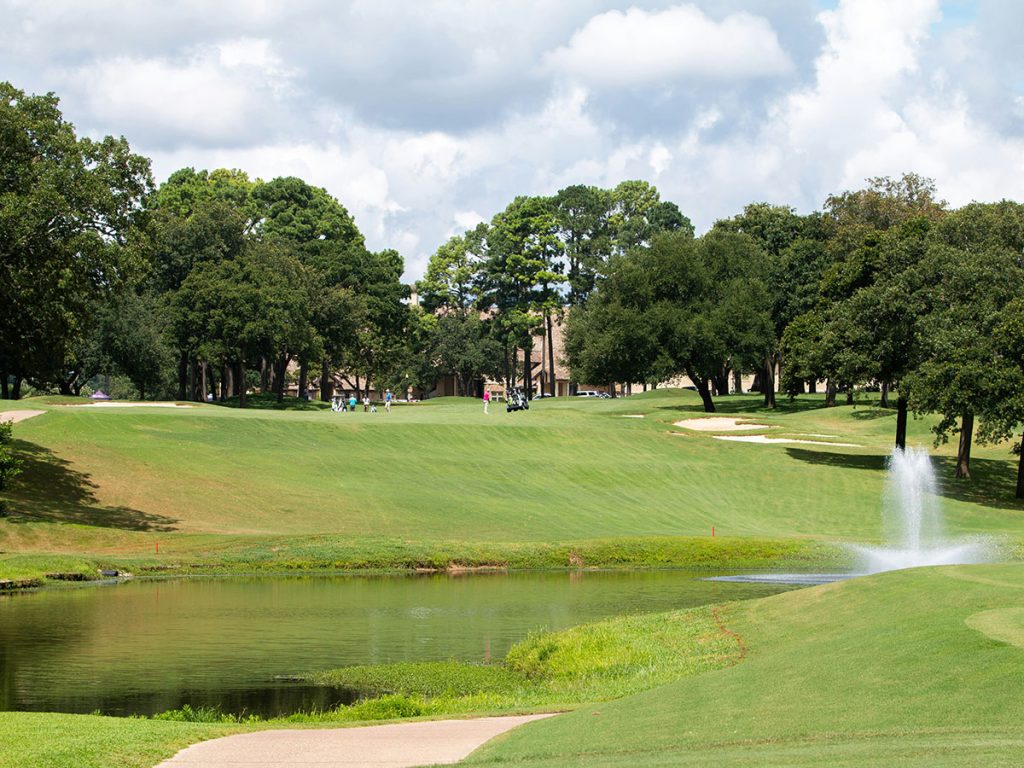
(148, 646)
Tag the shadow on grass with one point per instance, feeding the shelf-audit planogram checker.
(993, 483)
(752, 403)
(49, 490)
(269, 402)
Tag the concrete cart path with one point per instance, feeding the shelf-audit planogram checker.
(401, 745)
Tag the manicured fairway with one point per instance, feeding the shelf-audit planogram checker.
(897, 669)
(315, 486)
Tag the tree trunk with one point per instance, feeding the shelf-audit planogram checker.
(551, 355)
(704, 389)
(64, 387)
(830, 394)
(190, 382)
(279, 375)
(769, 381)
(901, 422)
(183, 375)
(264, 376)
(884, 402)
(812, 387)
(326, 382)
(963, 453)
(204, 384)
(303, 380)
(737, 381)
(226, 383)
(1020, 471)
(241, 384)
(16, 387)
(757, 385)
(528, 367)
(722, 381)
(849, 396)
(5, 386)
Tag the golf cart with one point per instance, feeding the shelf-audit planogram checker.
(516, 400)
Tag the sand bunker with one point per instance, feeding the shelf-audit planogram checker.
(15, 416)
(632, 415)
(762, 439)
(114, 404)
(718, 424)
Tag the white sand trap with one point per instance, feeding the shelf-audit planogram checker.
(719, 424)
(15, 416)
(762, 439)
(632, 415)
(116, 404)
(382, 746)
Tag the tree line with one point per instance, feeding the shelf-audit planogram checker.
(207, 286)
(214, 284)
(886, 287)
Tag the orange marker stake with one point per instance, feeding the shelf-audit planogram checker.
(712, 531)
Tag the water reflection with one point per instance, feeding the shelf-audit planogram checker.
(146, 647)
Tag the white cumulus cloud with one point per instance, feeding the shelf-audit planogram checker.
(638, 47)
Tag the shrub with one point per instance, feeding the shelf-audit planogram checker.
(10, 464)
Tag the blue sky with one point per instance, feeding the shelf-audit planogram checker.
(425, 118)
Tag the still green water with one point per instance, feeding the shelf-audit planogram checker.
(145, 647)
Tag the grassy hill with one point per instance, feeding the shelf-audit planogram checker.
(857, 673)
(442, 479)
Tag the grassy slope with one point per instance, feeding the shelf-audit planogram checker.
(858, 673)
(44, 740)
(218, 484)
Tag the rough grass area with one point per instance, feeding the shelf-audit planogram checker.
(47, 568)
(552, 670)
(885, 670)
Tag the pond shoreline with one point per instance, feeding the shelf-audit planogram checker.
(25, 570)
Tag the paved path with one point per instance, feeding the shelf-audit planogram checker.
(378, 746)
(15, 416)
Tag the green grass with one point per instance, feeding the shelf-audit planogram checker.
(915, 668)
(39, 566)
(555, 670)
(441, 483)
(45, 740)
(888, 670)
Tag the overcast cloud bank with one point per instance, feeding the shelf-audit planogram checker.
(426, 118)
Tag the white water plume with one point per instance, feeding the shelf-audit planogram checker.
(913, 522)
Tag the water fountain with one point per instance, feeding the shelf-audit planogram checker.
(912, 528)
(912, 522)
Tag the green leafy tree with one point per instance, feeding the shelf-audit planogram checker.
(583, 222)
(968, 286)
(521, 273)
(70, 212)
(638, 214)
(451, 282)
(681, 306)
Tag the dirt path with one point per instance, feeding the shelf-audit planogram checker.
(15, 416)
(401, 745)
